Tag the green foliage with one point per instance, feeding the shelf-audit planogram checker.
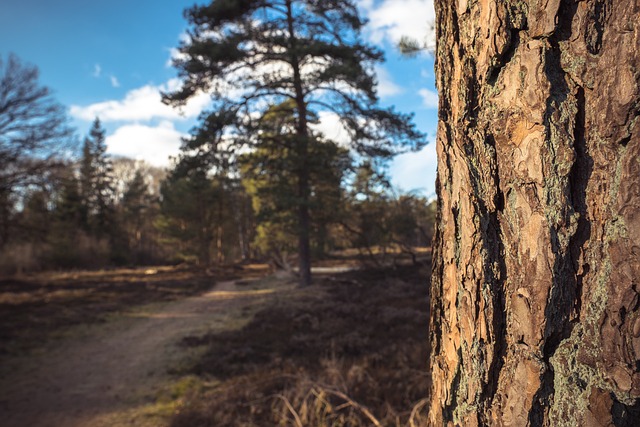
(307, 51)
(269, 175)
(303, 55)
(254, 179)
(97, 184)
(69, 205)
(35, 216)
(136, 198)
(380, 221)
(69, 221)
(410, 47)
(186, 208)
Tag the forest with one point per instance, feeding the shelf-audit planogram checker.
(68, 204)
(90, 210)
(237, 271)
(272, 274)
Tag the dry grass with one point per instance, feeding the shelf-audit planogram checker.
(350, 351)
(37, 306)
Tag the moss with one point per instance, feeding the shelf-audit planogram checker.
(616, 228)
(574, 381)
(572, 64)
(462, 412)
(475, 375)
(464, 407)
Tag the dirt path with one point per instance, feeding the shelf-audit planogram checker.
(108, 377)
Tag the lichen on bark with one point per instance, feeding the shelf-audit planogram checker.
(535, 293)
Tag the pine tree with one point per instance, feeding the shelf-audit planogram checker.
(69, 222)
(135, 206)
(269, 175)
(35, 217)
(188, 212)
(86, 182)
(259, 53)
(69, 207)
(535, 313)
(96, 179)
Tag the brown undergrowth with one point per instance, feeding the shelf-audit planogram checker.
(350, 351)
(36, 307)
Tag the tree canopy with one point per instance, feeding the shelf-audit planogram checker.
(255, 54)
(34, 132)
(33, 125)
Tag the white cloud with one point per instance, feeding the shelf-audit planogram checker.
(366, 4)
(392, 19)
(142, 104)
(429, 98)
(97, 71)
(140, 142)
(386, 85)
(419, 168)
(174, 53)
(114, 81)
(331, 127)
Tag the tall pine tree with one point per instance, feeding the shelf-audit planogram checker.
(137, 211)
(254, 54)
(189, 205)
(96, 182)
(268, 174)
(69, 221)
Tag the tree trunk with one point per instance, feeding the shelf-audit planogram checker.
(5, 214)
(536, 272)
(304, 188)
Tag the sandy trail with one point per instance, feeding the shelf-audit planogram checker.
(101, 379)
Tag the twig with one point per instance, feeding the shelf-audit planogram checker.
(290, 408)
(356, 405)
(415, 410)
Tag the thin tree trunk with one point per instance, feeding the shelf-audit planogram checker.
(238, 207)
(304, 223)
(5, 214)
(304, 219)
(536, 272)
(220, 229)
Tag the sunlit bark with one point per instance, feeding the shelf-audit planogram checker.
(535, 316)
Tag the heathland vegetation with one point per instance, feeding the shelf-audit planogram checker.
(106, 259)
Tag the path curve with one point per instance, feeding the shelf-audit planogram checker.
(94, 381)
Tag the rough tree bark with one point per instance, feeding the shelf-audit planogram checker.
(535, 304)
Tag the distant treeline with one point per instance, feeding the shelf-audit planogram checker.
(66, 205)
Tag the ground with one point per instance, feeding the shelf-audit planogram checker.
(153, 348)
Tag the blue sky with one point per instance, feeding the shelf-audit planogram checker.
(111, 59)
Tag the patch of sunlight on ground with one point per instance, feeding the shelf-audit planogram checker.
(239, 294)
(162, 315)
(158, 409)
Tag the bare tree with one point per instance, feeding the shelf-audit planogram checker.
(536, 278)
(34, 131)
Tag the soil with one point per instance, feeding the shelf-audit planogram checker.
(35, 307)
(221, 357)
(104, 374)
(354, 340)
